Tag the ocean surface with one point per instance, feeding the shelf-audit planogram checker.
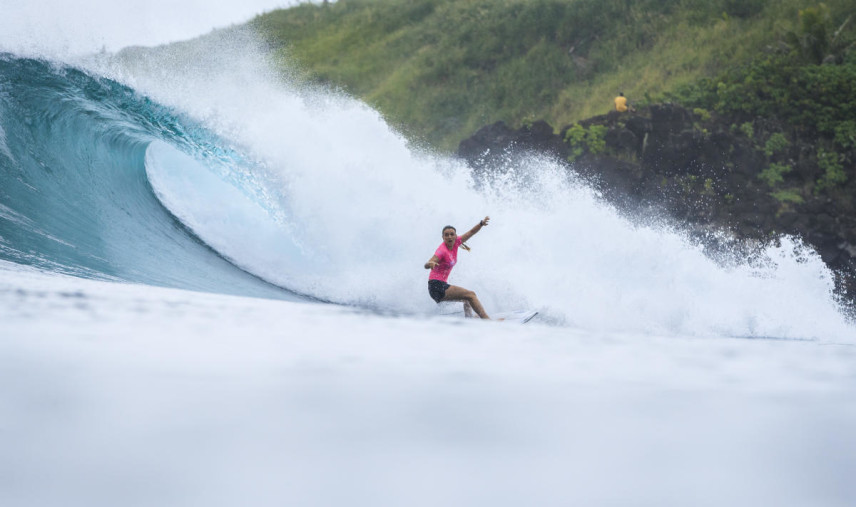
(212, 293)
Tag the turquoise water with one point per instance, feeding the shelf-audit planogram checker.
(74, 192)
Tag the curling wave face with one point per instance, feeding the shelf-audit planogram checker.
(74, 193)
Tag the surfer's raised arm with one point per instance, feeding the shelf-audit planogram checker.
(470, 233)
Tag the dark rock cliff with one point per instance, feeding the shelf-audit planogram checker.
(705, 172)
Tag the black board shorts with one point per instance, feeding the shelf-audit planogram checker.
(437, 289)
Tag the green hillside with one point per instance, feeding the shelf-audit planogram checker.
(441, 69)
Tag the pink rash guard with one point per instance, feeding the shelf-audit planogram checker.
(448, 259)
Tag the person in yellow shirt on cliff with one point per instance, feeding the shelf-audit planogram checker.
(621, 104)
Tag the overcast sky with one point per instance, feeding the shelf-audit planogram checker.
(82, 26)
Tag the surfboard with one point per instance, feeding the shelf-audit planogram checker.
(518, 316)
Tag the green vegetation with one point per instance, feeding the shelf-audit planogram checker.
(833, 172)
(575, 137)
(845, 134)
(813, 98)
(775, 144)
(788, 196)
(806, 82)
(441, 69)
(596, 139)
(581, 139)
(703, 114)
(774, 174)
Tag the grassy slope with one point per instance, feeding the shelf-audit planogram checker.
(441, 69)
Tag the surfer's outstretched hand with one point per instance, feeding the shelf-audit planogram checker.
(485, 221)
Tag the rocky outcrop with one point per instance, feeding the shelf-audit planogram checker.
(701, 170)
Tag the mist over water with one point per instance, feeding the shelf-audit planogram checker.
(357, 211)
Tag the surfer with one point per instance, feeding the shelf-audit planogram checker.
(441, 264)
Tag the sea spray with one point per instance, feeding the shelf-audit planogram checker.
(366, 210)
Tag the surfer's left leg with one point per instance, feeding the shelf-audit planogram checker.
(455, 293)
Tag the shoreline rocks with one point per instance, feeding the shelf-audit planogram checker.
(706, 172)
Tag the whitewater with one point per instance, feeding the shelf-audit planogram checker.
(211, 292)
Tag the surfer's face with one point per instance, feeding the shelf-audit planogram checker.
(449, 237)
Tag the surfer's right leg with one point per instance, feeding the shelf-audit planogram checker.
(455, 293)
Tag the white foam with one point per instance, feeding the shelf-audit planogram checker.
(117, 393)
(369, 209)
